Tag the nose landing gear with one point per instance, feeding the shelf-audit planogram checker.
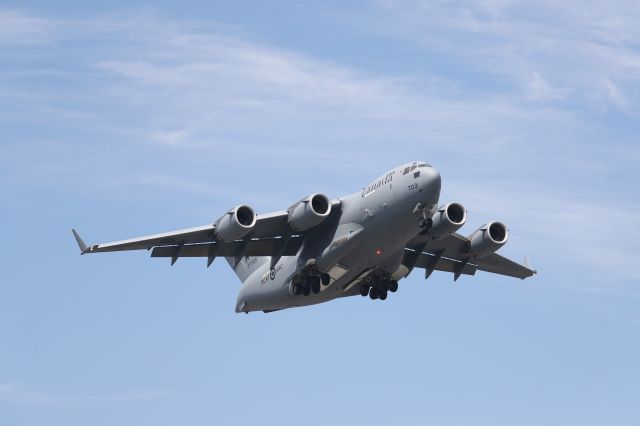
(425, 224)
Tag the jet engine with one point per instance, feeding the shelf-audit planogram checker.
(236, 224)
(309, 212)
(489, 238)
(447, 220)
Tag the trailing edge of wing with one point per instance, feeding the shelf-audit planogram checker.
(454, 247)
(256, 247)
(436, 262)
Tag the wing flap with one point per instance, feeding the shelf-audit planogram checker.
(257, 247)
(426, 261)
(455, 248)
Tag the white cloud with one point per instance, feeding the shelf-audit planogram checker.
(18, 28)
(541, 90)
(161, 102)
(194, 88)
(614, 95)
(590, 48)
(562, 229)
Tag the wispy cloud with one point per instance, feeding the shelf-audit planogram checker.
(11, 392)
(19, 28)
(566, 231)
(194, 89)
(175, 106)
(587, 54)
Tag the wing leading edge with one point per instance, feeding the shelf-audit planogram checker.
(270, 236)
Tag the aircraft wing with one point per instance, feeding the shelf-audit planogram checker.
(198, 234)
(271, 236)
(450, 254)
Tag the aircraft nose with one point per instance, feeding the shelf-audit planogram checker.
(431, 178)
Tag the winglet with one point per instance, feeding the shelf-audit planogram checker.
(528, 266)
(81, 244)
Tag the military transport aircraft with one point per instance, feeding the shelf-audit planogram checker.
(321, 249)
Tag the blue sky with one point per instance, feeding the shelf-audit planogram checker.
(129, 118)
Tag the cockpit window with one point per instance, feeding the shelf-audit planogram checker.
(413, 167)
(406, 170)
(423, 165)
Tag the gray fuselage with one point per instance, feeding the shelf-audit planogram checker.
(367, 236)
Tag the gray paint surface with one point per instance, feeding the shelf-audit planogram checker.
(365, 241)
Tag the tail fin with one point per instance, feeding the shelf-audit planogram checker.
(246, 266)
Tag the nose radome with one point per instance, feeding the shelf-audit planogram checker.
(431, 177)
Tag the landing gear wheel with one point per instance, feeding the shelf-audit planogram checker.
(315, 284)
(393, 286)
(373, 293)
(306, 289)
(364, 290)
(384, 285)
(326, 279)
(383, 295)
(296, 289)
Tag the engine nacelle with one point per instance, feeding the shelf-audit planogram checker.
(447, 220)
(309, 212)
(236, 224)
(489, 238)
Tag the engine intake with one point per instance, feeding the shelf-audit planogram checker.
(447, 220)
(309, 212)
(489, 238)
(236, 224)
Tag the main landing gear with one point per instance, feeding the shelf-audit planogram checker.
(379, 288)
(308, 284)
